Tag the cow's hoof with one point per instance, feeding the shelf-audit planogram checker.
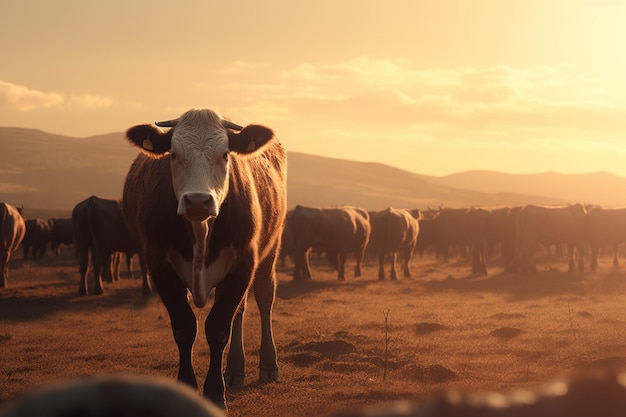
(234, 381)
(268, 375)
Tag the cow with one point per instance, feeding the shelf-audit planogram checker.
(110, 395)
(13, 231)
(337, 230)
(550, 225)
(100, 228)
(461, 228)
(61, 233)
(207, 201)
(394, 231)
(37, 237)
(605, 226)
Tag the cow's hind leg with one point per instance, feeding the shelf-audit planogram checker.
(182, 319)
(264, 293)
(4, 265)
(83, 256)
(235, 373)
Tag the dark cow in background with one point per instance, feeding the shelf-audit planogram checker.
(460, 229)
(394, 232)
(338, 230)
(550, 225)
(208, 205)
(13, 230)
(38, 232)
(100, 228)
(605, 227)
(61, 233)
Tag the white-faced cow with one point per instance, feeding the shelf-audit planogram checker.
(13, 230)
(207, 200)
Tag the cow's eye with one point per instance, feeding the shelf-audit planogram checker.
(225, 156)
(173, 155)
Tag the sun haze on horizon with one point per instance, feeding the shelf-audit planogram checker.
(519, 86)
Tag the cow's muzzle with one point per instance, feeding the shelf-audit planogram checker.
(197, 206)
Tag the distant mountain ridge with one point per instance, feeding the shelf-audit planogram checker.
(43, 170)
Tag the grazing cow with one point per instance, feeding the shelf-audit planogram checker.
(338, 231)
(61, 233)
(550, 225)
(394, 231)
(605, 226)
(461, 227)
(99, 227)
(208, 205)
(110, 396)
(13, 231)
(38, 232)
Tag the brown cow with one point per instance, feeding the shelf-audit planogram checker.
(100, 228)
(13, 231)
(338, 231)
(37, 237)
(208, 206)
(550, 225)
(110, 395)
(61, 233)
(394, 231)
(605, 226)
(461, 228)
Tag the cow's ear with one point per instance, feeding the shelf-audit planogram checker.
(150, 139)
(250, 139)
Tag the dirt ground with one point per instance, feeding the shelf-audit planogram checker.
(340, 344)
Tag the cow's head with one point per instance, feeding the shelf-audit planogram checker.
(199, 146)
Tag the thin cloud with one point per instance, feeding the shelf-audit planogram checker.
(25, 99)
(391, 92)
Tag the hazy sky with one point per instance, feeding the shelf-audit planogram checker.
(434, 87)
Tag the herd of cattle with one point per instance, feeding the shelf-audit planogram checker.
(98, 229)
(515, 233)
(204, 206)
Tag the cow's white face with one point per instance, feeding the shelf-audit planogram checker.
(199, 159)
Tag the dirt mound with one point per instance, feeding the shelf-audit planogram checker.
(427, 328)
(507, 333)
(429, 374)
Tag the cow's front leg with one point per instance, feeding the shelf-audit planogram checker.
(228, 297)
(183, 321)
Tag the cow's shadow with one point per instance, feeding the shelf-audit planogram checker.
(523, 286)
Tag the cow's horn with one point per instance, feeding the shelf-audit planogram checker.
(230, 125)
(167, 123)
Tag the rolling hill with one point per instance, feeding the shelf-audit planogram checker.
(43, 170)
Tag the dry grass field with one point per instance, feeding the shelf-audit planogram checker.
(341, 344)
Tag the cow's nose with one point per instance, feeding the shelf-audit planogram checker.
(198, 205)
